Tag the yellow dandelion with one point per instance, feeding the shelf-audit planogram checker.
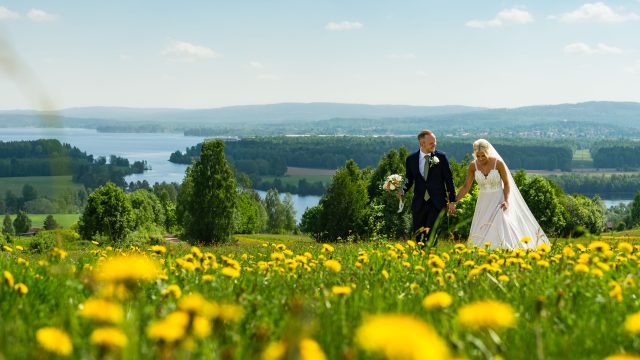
(326, 248)
(435, 262)
(525, 239)
(173, 290)
(385, 274)
(503, 278)
(54, 341)
(196, 304)
(437, 300)
(333, 265)
(341, 290)
(207, 278)
(110, 337)
(632, 323)
(127, 268)
(21, 288)
(622, 356)
(158, 249)
(8, 279)
(201, 327)
(311, 350)
(616, 291)
(599, 246)
(274, 351)
(623, 246)
(230, 312)
(400, 337)
(581, 268)
(487, 314)
(543, 248)
(19, 248)
(102, 310)
(166, 331)
(568, 251)
(230, 272)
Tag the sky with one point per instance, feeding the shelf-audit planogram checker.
(208, 54)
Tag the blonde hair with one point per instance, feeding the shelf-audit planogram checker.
(481, 146)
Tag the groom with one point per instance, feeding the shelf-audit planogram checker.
(434, 190)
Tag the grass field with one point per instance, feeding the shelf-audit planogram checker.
(286, 297)
(44, 185)
(293, 179)
(64, 220)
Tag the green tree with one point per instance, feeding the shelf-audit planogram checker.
(583, 214)
(275, 212)
(108, 212)
(344, 208)
(542, 201)
(147, 209)
(252, 215)
(635, 210)
(207, 198)
(29, 193)
(7, 225)
(50, 223)
(289, 213)
(22, 223)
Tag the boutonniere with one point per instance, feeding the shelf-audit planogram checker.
(434, 161)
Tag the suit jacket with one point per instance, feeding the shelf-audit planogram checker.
(439, 181)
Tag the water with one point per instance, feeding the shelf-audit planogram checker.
(155, 148)
(300, 203)
(610, 203)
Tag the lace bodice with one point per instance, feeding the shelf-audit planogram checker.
(491, 182)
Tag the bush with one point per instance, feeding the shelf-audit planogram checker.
(108, 212)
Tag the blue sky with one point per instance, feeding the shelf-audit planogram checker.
(203, 54)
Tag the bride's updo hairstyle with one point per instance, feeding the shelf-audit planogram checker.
(481, 146)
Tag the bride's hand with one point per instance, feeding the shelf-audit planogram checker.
(504, 205)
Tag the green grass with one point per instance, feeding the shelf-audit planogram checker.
(64, 220)
(293, 179)
(44, 185)
(582, 155)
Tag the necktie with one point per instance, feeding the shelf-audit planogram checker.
(426, 173)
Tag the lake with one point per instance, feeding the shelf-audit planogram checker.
(155, 148)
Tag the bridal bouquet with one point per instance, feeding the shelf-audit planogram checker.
(395, 182)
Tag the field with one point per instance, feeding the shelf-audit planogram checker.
(293, 179)
(285, 297)
(44, 185)
(64, 220)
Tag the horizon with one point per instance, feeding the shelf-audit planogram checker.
(209, 55)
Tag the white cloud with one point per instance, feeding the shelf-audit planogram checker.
(41, 15)
(402, 56)
(513, 15)
(634, 69)
(598, 13)
(188, 52)
(584, 49)
(8, 14)
(256, 65)
(345, 25)
(268, 77)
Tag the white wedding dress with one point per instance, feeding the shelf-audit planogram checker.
(500, 228)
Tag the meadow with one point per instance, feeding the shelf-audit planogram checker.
(50, 186)
(287, 297)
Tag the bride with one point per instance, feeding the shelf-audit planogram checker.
(501, 217)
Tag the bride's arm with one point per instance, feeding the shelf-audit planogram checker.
(506, 187)
(467, 184)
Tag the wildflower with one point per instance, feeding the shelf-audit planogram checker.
(400, 337)
(21, 288)
(341, 290)
(616, 291)
(8, 278)
(525, 239)
(59, 253)
(158, 249)
(275, 351)
(326, 248)
(172, 290)
(385, 274)
(310, 350)
(110, 337)
(54, 341)
(414, 286)
(19, 248)
(230, 272)
(411, 244)
(543, 248)
(196, 304)
(169, 330)
(487, 314)
(333, 265)
(102, 310)
(581, 268)
(436, 262)
(599, 246)
(622, 357)
(207, 278)
(127, 268)
(503, 278)
(7, 248)
(623, 246)
(632, 324)
(437, 300)
(568, 252)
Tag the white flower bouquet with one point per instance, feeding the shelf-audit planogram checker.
(395, 182)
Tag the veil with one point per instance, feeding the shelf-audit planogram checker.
(518, 210)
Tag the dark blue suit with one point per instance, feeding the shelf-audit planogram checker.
(439, 183)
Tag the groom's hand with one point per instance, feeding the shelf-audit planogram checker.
(400, 195)
(452, 208)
